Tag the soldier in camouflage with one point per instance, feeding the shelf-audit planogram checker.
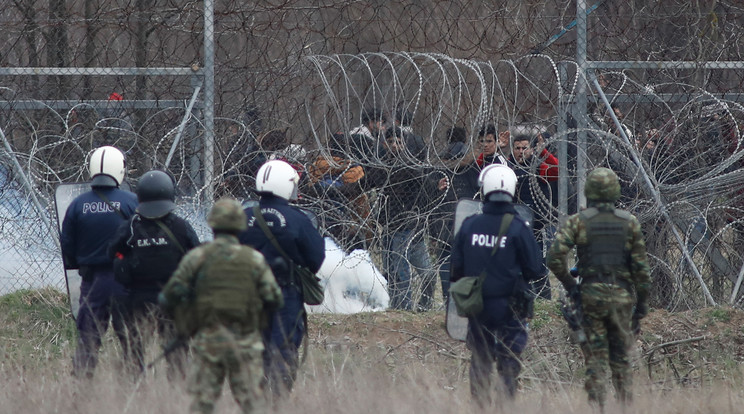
(615, 282)
(229, 287)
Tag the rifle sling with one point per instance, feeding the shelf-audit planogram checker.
(109, 203)
(265, 228)
(170, 235)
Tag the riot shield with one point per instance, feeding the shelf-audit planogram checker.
(63, 196)
(457, 326)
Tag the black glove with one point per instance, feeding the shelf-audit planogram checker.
(635, 326)
(574, 293)
(641, 310)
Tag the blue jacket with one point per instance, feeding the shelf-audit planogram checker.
(90, 224)
(293, 230)
(518, 256)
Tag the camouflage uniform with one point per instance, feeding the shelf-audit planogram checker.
(232, 287)
(613, 265)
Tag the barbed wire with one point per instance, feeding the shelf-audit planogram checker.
(294, 79)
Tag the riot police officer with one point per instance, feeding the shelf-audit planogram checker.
(90, 222)
(227, 288)
(615, 281)
(147, 249)
(507, 264)
(276, 183)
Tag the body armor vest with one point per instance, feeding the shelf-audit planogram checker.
(154, 256)
(226, 291)
(604, 253)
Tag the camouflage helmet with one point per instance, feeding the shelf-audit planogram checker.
(227, 215)
(602, 185)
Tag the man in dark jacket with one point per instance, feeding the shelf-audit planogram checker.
(147, 250)
(499, 332)
(408, 192)
(276, 183)
(533, 192)
(89, 224)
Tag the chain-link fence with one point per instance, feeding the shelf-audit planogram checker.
(210, 98)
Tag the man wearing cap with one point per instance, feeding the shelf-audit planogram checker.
(146, 250)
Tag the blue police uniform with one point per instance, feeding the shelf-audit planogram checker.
(89, 224)
(298, 237)
(497, 334)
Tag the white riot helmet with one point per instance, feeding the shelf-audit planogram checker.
(107, 167)
(279, 178)
(497, 183)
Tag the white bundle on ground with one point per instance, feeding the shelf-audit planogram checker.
(352, 282)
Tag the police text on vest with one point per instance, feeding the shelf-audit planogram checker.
(487, 240)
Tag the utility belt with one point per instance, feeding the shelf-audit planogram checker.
(608, 280)
(287, 281)
(283, 274)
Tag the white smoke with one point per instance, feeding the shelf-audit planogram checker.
(352, 283)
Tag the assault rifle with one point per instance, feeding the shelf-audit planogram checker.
(169, 348)
(571, 310)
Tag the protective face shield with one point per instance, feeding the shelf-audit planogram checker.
(498, 183)
(156, 194)
(107, 167)
(278, 178)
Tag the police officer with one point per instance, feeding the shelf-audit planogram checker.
(90, 222)
(499, 332)
(147, 249)
(614, 270)
(228, 286)
(276, 183)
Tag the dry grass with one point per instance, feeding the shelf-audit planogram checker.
(387, 362)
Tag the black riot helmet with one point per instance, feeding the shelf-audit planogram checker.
(156, 194)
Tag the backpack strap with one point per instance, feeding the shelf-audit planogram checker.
(269, 235)
(170, 235)
(109, 203)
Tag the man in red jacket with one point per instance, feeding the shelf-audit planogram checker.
(533, 190)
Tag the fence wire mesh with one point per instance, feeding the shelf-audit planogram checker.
(297, 79)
